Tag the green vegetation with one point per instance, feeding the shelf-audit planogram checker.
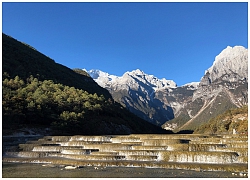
(225, 123)
(37, 92)
(44, 102)
(20, 59)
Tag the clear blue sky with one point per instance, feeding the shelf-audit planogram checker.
(176, 41)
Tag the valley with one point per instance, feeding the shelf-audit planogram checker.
(65, 118)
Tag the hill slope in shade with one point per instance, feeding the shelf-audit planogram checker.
(23, 60)
(39, 93)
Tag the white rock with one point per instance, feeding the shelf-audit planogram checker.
(70, 167)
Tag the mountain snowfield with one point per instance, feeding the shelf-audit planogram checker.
(160, 100)
(192, 85)
(231, 59)
(129, 79)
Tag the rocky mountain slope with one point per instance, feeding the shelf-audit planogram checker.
(224, 86)
(160, 101)
(147, 96)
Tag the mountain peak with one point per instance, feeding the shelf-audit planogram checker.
(230, 60)
(137, 72)
(230, 52)
(132, 78)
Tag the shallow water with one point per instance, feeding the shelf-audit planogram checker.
(23, 170)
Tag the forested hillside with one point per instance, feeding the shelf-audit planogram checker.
(37, 92)
(232, 121)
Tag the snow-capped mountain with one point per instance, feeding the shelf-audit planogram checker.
(161, 102)
(130, 79)
(224, 86)
(102, 78)
(192, 85)
(143, 94)
(229, 67)
(230, 60)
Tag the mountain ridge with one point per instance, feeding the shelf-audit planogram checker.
(224, 86)
(104, 78)
(141, 86)
(226, 80)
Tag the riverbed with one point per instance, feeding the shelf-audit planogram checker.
(24, 170)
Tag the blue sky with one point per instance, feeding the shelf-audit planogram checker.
(176, 41)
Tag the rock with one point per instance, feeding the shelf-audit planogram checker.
(70, 167)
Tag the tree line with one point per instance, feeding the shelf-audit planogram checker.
(44, 102)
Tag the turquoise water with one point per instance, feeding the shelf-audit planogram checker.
(22, 170)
